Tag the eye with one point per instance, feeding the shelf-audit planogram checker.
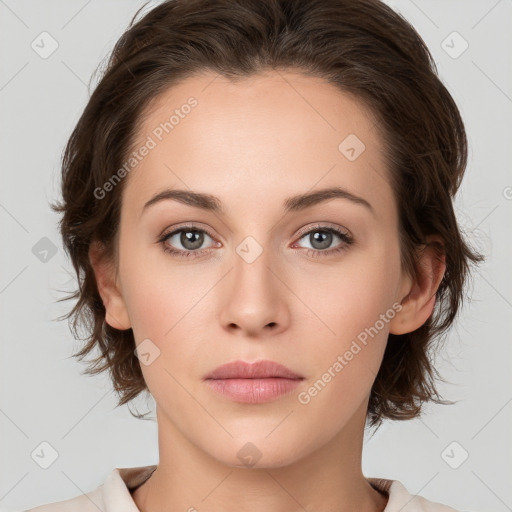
(190, 238)
(321, 238)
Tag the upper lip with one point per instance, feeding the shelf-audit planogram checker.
(257, 370)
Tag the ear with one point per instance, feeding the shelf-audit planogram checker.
(419, 302)
(106, 279)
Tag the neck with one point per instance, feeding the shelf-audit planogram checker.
(330, 478)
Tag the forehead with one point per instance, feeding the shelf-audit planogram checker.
(281, 130)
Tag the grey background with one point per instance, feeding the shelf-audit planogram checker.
(45, 398)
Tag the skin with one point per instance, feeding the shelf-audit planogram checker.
(253, 144)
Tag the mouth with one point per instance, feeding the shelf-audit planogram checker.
(253, 383)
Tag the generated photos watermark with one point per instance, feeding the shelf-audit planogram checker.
(304, 397)
(150, 143)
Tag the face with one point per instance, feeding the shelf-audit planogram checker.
(310, 284)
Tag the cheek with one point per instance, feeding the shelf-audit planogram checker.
(165, 310)
(165, 303)
(355, 306)
(154, 308)
(350, 298)
(159, 294)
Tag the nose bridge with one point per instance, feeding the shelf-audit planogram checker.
(253, 296)
(253, 262)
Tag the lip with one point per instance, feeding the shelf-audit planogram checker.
(259, 382)
(258, 370)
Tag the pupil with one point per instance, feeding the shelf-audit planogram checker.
(325, 239)
(187, 239)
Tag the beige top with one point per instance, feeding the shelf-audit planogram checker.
(114, 495)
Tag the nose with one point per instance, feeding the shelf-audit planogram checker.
(253, 295)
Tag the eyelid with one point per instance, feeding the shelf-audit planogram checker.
(199, 226)
(192, 225)
(320, 226)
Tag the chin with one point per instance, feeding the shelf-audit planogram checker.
(259, 452)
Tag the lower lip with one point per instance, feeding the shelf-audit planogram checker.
(253, 391)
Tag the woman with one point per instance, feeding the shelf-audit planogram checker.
(259, 199)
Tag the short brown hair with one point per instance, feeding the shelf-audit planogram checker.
(365, 49)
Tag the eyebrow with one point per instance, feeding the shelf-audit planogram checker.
(296, 203)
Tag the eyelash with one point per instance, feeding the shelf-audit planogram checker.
(315, 253)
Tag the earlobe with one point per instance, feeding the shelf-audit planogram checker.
(418, 304)
(105, 273)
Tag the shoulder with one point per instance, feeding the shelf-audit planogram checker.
(114, 494)
(399, 498)
(90, 502)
